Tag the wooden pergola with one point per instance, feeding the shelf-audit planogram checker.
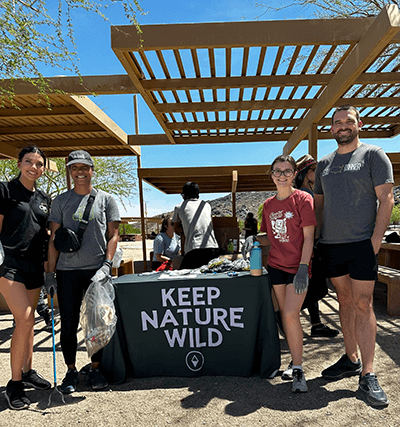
(211, 83)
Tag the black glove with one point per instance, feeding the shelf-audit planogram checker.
(248, 245)
(50, 283)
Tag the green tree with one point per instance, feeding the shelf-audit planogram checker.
(116, 175)
(41, 32)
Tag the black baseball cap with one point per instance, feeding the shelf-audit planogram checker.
(80, 156)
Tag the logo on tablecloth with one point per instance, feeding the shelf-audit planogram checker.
(194, 361)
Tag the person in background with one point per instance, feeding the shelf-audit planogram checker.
(24, 212)
(304, 181)
(166, 245)
(76, 270)
(288, 218)
(195, 216)
(250, 225)
(353, 200)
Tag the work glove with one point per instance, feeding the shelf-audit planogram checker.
(301, 279)
(103, 274)
(1, 254)
(248, 245)
(50, 283)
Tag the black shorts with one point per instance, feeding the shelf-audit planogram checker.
(357, 259)
(279, 277)
(31, 274)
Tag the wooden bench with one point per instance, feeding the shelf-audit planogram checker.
(391, 277)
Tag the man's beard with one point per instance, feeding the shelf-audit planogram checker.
(345, 138)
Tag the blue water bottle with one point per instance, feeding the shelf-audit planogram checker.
(256, 260)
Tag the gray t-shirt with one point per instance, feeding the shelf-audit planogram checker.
(67, 209)
(165, 245)
(347, 182)
(195, 216)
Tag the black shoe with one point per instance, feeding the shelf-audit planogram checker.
(69, 382)
(49, 327)
(323, 331)
(369, 385)
(97, 380)
(33, 379)
(344, 367)
(15, 396)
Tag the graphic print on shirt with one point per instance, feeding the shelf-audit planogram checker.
(348, 167)
(78, 215)
(278, 223)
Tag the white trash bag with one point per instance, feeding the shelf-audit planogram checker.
(98, 318)
(116, 261)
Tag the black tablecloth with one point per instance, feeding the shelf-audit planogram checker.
(211, 325)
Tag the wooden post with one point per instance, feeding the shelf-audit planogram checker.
(142, 220)
(67, 174)
(313, 141)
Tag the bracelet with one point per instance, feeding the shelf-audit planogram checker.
(108, 262)
(306, 263)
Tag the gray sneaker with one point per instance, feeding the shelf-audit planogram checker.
(299, 382)
(287, 374)
(370, 387)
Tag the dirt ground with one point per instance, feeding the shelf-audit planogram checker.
(215, 401)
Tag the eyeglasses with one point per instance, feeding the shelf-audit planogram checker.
(287, 172)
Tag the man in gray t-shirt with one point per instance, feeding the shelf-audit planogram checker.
(195, 216)
(353, 202)
(76, 270)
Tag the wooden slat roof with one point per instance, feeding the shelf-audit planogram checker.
(264, 81)
(60, 123)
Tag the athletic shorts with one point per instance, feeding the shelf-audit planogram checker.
(279, 277)
(31, 274)
(357, 260)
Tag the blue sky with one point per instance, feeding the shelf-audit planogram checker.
(97, 58)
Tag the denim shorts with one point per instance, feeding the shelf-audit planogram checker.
(356, 259)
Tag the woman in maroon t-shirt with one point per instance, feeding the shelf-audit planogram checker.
(288, 218)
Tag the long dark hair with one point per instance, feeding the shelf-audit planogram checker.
(164, 224)
(30, 149)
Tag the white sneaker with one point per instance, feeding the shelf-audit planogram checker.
(287, 374)
(299, 382)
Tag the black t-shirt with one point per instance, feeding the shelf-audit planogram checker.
(252, 224)
(26, 214)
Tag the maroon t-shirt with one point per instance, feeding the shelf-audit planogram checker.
(283, 221)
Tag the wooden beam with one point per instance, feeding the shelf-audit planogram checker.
(68, 142)
(161, 139)
(100, 117)
(33, 112)
(28, 130)
(242, 82)
(85, 85)
(276, 104)
(375, 39)
(240, 34)
(9, 150)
